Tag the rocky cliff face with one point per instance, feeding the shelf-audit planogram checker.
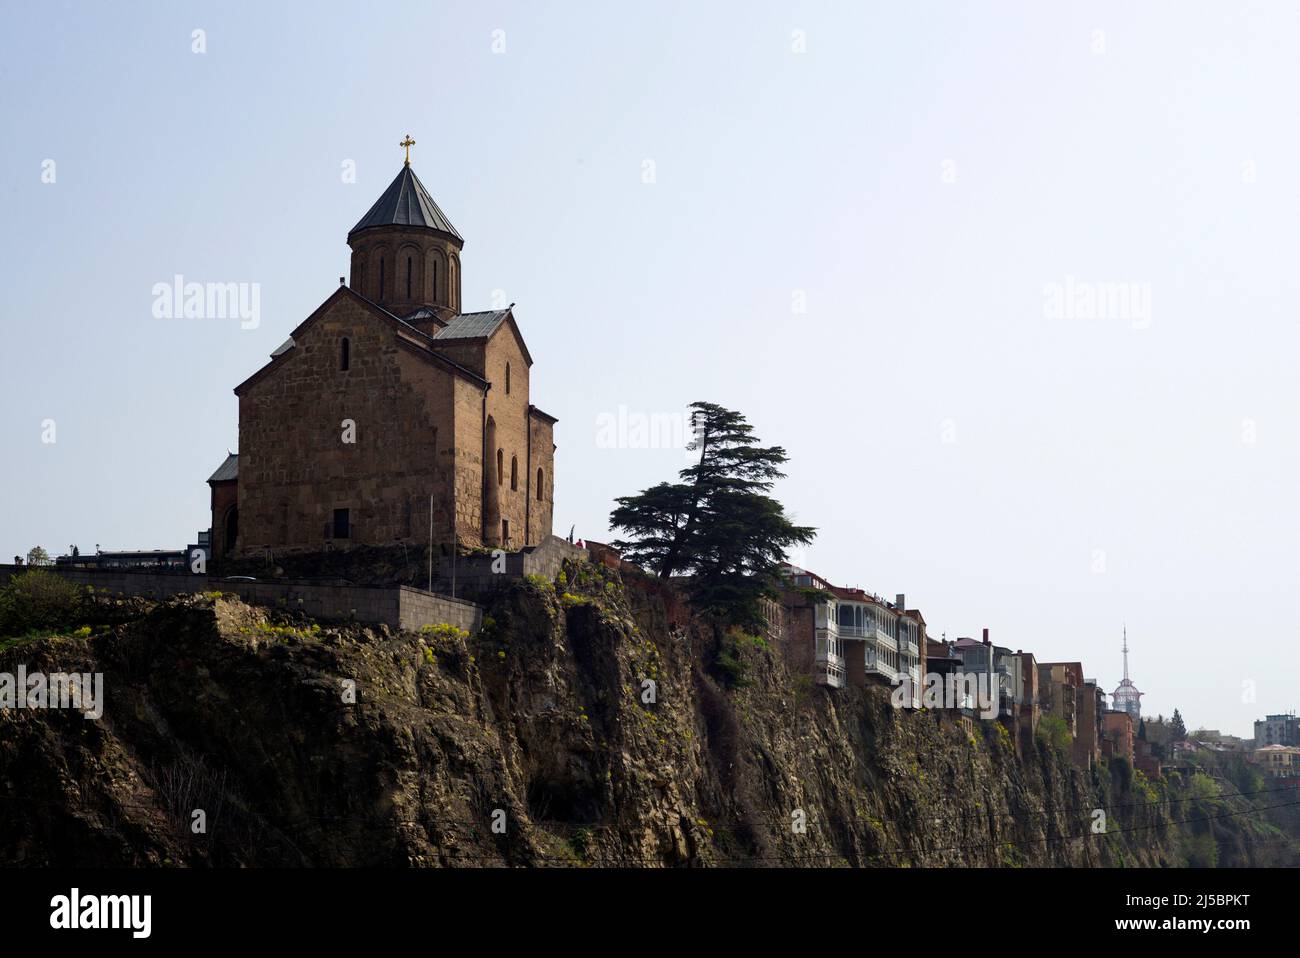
(584, 725)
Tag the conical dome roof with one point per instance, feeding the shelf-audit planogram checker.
(406, 203)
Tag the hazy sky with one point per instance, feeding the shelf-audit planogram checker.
(874, 229)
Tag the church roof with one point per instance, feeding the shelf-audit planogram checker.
(227, 470)
(406, 203)
(473, 325)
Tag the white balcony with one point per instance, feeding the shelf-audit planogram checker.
(831, 672)
(853, 632)
(880, 665)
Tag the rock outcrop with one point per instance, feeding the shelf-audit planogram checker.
(584, 725)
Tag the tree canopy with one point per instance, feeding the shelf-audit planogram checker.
(717, 523)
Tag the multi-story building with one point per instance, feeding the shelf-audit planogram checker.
(1001, 668)
(856, 636)
(1278, 761)
(1281, 729)
(871, 629)
(1118, 729)
(1089, 727)
(942, 660)
(1144, 758)
(1030, 707)
(1058, 685)
(812, 627)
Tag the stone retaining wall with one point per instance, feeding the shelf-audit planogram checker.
(400, 607)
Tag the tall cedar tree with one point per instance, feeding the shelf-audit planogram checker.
(1179, 729)
(717, 523)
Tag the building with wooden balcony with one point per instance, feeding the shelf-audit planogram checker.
(812, 627)
(855, 636)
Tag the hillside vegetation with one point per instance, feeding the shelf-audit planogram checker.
(592, 722)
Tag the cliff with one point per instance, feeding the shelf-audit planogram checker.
(532, 743)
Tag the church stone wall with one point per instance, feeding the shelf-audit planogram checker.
(543, 457)
(467, 455)
(223, 499)
(432, 258)
(509, 410)
(510, 428)
(295, 468)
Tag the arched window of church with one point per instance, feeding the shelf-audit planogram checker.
(381, 277)
(539, 485)
(501, 462)
(408, 277)
(507, 379)
(433, 272)
(344, 358)
(514, 472)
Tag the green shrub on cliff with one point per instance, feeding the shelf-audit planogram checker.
(38, 601)
(444, 632)
(1053, 731)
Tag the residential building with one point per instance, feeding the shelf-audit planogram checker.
(1118, 730)
(1058, 685)
(857, 637)
(1278, 761)
(1030, 708)
(1144, 758)
(812, 628)
(1281, 729)
(1089, 711)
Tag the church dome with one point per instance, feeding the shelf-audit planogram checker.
(406, 253)
(406, 203)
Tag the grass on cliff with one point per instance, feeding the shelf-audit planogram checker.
(39, 604)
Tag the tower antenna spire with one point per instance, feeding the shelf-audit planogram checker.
(1126, 652)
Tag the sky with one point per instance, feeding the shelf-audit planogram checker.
(1012, 283)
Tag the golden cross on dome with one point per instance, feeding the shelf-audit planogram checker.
(408, 143)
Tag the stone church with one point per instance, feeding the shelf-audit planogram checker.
(388, 411)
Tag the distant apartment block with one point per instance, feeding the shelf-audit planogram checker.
(1277, 730)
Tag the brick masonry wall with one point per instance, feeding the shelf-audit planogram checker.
(397, 607)
(223, 501)
(542, 454)
(294, 467)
